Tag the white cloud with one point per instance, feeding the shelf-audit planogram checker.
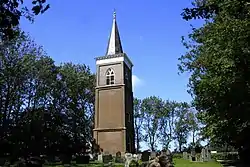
(136, 81)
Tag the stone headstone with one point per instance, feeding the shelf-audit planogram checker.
(135, 157)
(193, 154)
(209, 156)
(139, 156)
(197, 158)
(118, 157)
(107, 158)
(152, 155)
(190, 157)
(185, 155)
(203, 155)
(145, 156)
(99, 158)
(128, 159)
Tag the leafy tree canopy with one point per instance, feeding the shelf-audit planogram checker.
(218, 59)
(12, 10)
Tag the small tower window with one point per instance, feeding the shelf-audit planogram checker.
(110, 77)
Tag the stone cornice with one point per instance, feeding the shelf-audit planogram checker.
(110, 56)
(110, 86)
(109, 129)
(114, 56)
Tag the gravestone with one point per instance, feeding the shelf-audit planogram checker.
(135, 157)
(208, 155)
(128, 159)
(198, 158)
(118, 157)
(193, 154)
(203, 155)
(99, 158)
(152, 155)
(107, 158)
(139, 156)
(185, 155)
(145, 156)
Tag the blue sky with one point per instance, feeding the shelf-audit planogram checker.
(77, 31)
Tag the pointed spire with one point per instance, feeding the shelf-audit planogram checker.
(114, 44)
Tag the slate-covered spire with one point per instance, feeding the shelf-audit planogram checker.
(114, 44)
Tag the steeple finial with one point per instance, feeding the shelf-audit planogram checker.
(114, 45)
(114, 15)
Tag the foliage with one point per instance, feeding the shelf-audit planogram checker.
(12, 10)
(151, 108)
(44, 109)
(166, 123)
(133, 163)
(218, 60)
(181, 125)
(138, 120)
(193, 123)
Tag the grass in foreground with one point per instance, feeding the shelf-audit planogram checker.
(186, 163)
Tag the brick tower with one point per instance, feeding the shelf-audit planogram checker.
(114, 120)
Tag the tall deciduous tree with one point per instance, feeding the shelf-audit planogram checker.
(166, 123)
(181, 125)
(52, 105)
(76, 92)
(138, 122)
(151, 108)
(218, 58)
(193, 125)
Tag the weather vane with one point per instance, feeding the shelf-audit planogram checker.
(114, 14)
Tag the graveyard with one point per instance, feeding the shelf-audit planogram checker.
(178, 162)
(147, 159)
(169, 88)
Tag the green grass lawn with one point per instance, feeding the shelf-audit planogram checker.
(185, 163)
(177, 163)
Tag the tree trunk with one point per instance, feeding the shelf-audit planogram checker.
(137, 141)
(193, 138)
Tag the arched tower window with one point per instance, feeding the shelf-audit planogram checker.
(110, 77)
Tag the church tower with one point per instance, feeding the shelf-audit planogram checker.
(114, 120)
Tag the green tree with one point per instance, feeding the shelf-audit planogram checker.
(151, 108)
(76, 99)
(182, 128)
(193, 126)
(52, 105)
(12, 10)
(218, 59)
(138, 122)
(166, 123)
(25, 77)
